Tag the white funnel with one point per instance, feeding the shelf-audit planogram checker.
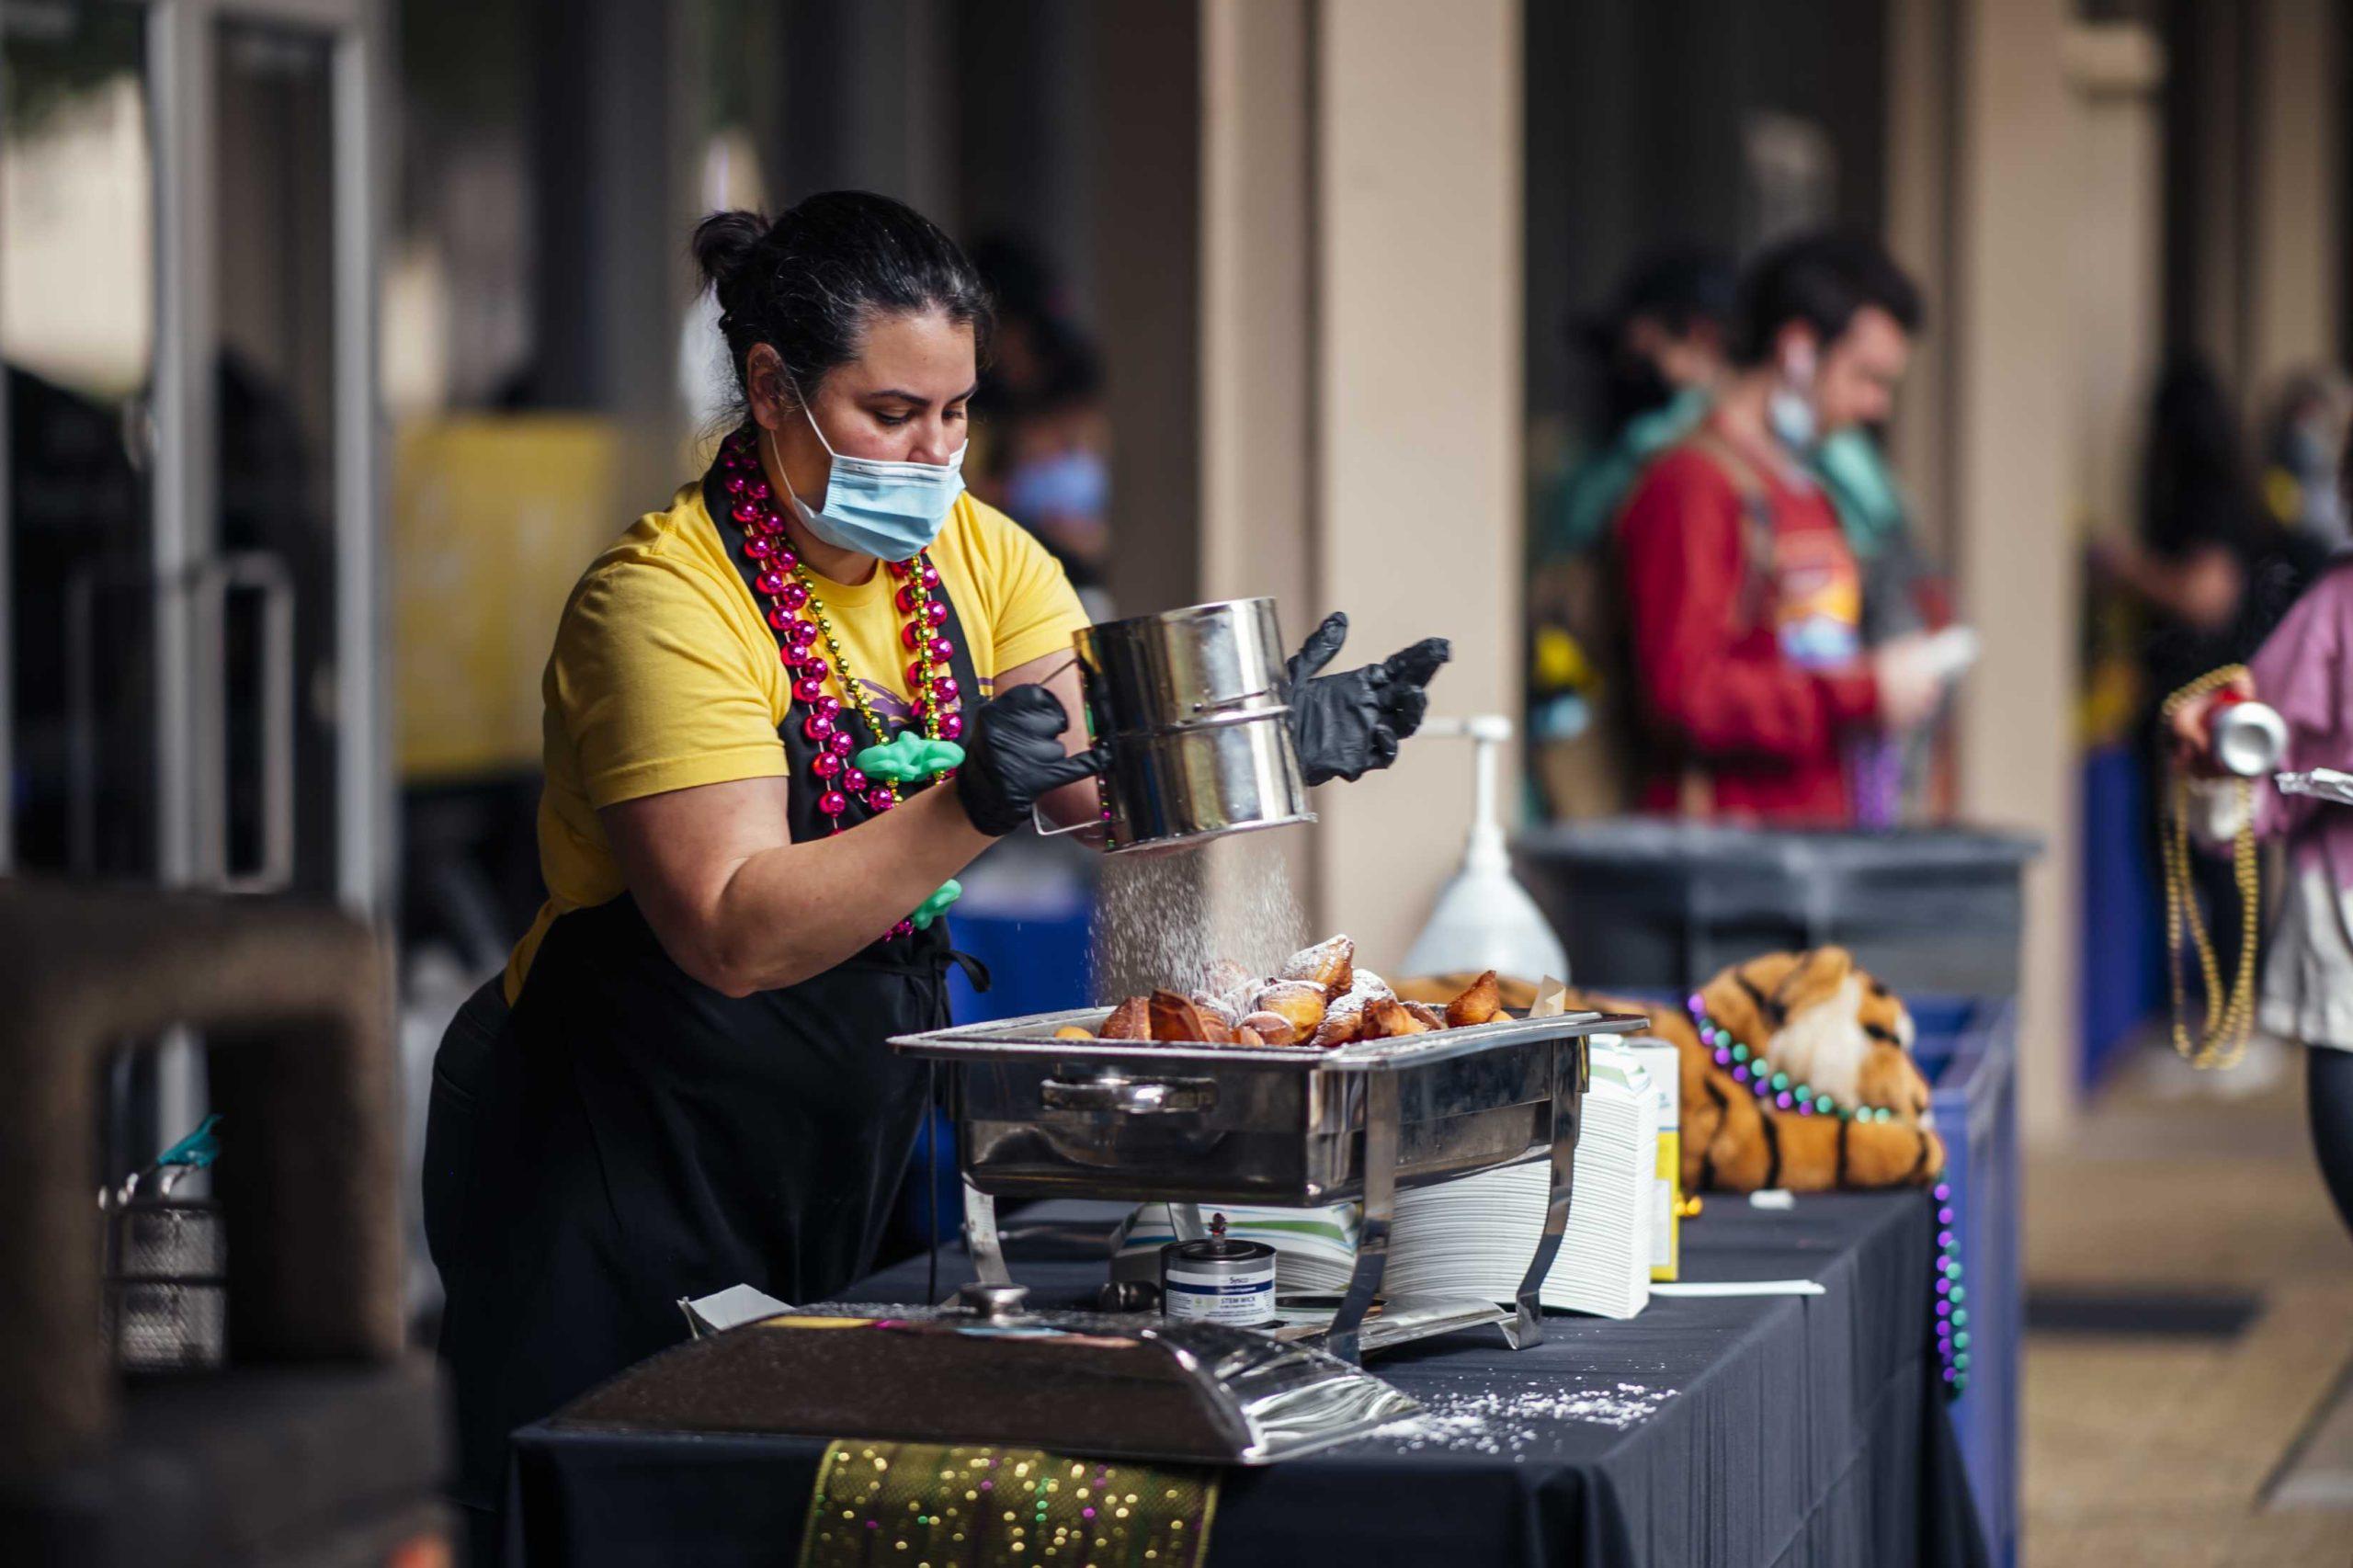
(1484, 918)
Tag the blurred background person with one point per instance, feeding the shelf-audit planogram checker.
(2301, 471)
(1657, 356)
(1649, 362)
(1744, 598)
(2300, 670)
(1042, 435)
(1657, 352)
(2212, 569)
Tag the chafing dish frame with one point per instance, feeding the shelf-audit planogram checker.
(1041, 1117)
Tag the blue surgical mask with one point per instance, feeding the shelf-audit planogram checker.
(889, 510)
(1070, 484)
(1789, 410)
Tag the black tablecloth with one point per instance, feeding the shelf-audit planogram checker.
(1761, 1430)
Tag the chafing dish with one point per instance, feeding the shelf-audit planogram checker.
(1282, 1125)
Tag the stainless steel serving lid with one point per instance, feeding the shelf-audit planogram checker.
(988, 1371)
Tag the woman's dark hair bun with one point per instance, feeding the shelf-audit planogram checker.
(808, 283)
(723, 243)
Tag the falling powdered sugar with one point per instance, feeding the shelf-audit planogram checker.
(1501, 1423)
(1163, 920)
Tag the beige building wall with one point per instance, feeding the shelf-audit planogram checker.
(1417, 406)
(2295, 272)
(1257, 354)
(2115, 78)
(1921, 105)
(2014, 553)
(1360, 385)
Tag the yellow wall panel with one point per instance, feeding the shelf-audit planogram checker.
(493, 518)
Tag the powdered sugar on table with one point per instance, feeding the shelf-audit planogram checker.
(1508, 1422)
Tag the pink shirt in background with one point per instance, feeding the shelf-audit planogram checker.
(2302, 672)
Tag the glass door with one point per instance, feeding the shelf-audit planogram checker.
(188, 454)
(265, 754)
(79, 202)
(189, 483)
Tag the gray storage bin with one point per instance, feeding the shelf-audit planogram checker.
(1649, 901)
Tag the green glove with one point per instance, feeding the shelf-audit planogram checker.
(935, 906)
(908, 757)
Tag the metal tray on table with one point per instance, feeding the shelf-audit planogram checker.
(1290, 1126)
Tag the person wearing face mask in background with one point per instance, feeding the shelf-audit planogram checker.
(1041, 433)
(1744, 596)
(2301, 477)
(783, 712)
(1657, 358)
(1053, 458)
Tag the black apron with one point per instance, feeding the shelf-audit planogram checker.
(644, 1138)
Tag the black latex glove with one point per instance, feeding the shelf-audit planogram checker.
(1349, 724)
(1014, 757)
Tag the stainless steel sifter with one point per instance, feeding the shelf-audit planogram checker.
(1194, 707)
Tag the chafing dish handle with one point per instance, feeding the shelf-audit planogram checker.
(1132, 1096)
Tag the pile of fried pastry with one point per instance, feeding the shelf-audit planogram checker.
(1320, 996)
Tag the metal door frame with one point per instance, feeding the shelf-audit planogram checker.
(180, 87)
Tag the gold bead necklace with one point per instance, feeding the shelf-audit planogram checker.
(2230, 1019)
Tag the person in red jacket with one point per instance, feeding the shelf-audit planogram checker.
(1742, 599)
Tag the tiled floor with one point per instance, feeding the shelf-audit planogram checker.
(2164, 1451)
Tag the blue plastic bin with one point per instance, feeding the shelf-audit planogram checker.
(1968, 1051)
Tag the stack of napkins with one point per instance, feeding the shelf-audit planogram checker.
(1474, 1236)
(1315, 1248)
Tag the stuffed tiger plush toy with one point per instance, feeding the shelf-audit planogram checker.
(1816, 1023)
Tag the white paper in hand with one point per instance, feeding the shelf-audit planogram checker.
(1950, 653)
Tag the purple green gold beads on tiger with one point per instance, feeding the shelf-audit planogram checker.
(1952, 1314)
(1750, 1067)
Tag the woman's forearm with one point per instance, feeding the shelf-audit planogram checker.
(794, 911)
(741, 907)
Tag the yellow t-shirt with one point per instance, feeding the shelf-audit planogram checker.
(664, 674)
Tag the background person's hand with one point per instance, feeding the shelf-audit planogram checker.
(1014, 756)
(1346, 725)
(1911, 682)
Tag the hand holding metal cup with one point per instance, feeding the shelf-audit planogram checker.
(2223, 730)
(1207, 728)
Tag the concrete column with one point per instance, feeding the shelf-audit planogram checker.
(1417, 409)
(1921, 141)
(2116, 77)
(2014, 554)
(1148, 245)
(2206, 158)
(870, 101)
(1257, 425)
(610, 225)
(1359, 384)
(2295, 274)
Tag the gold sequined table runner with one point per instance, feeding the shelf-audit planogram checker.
(936, 1505)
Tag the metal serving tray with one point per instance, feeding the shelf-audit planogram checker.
(990, 1370)
(1290, 1126)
